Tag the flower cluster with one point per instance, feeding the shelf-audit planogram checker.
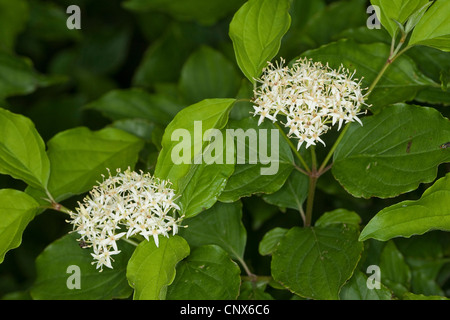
(311, 96)
(123, 206)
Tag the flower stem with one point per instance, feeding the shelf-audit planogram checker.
(310, 200)
(134, 243)
(294, 149)
(313, 176)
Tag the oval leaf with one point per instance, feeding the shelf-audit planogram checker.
(80, 156)
(408, 218)
(256, 31)
(22, 150)
(208, 74)
(221, 225)
(399, 10)
(65, 272)
(17, 209)
(193, 121)
(316, 262)
(393, 152)
(433, 29)
(151, 269)
(252, 175)
(207, 274)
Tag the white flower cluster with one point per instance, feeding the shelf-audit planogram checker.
(124, 205)
(311, 96)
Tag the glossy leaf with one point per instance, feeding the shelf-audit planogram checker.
(292, 194)
(204, 115)
(434, 28)
(393, 152)
(201, 187)
(316, 262)
(256, 31)
(407, 218)
(271, 240)
(80, 156)
(17, 209)
(151, 269)
(207, 274)
(338, 216)
(60, 263)
(251, 174)
(22, 150)
(399, 10)
(221, 225)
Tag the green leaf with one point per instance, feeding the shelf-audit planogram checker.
(19, 78)
(338, 216)
(256, 31)
(13, 18)
(393, 152)
(251, 175)
(401, 81)
(399, 10)
(151, 269)
(415, 18)
(54, 274)
(136, 103)
(432, 62)
(80, 156)
(424, 274)
(22, 150)
(17, 209)
(316, 262)
(395, 272)
(204, 115)
(164, 58)
(221, 225)
(208, 74)
(207, 274)
(210, 10)
(203, 184)
(434, 28)
(271, 240)
(324, 26)
(292, 194)
(409, 217)
(356, 289)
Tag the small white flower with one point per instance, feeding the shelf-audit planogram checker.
(309, 96)
(124, 205)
